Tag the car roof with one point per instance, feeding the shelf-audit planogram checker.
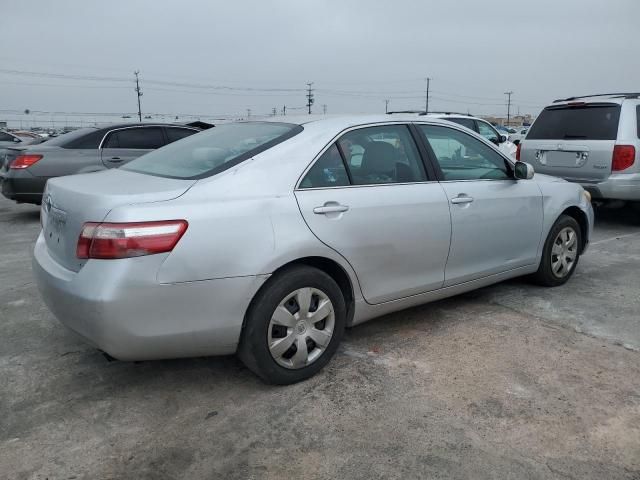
(341, 122)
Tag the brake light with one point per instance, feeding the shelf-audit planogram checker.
(623, 157)
(124, 240)
(24, 161)
(518, 150)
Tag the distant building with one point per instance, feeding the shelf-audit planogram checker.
(514, 121)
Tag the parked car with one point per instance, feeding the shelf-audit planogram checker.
(593, 141)
(482, 127)
(268, 238)
(26, 170)
(517, 137)
(9, 140)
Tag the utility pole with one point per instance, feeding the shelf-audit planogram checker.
(139, 93)
(274, 112)
(284, 110)
(324, 109)
(508, 94)
(248, 113)
(426, 103)
(309, 96)
(386, 106)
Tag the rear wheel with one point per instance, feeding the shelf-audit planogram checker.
(293, 326)
(560, 254)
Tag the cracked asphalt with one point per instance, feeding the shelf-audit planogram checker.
(512, 381)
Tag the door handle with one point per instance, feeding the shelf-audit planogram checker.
(462, 199)
(331, 208)
(116, 159)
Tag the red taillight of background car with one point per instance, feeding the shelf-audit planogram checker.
(24, 161)
(623, 157)
(124, 240)
(518, 150)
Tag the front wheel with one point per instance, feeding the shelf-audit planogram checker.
(560, 254)
(293, 326)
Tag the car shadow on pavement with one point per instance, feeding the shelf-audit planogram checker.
(617, 217)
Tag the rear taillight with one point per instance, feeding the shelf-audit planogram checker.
(123, 240)
(24, 161)
(518, 148)
(623, 157)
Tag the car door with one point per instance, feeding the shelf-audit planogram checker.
(125, 144)
(496, 220)
(368, 197)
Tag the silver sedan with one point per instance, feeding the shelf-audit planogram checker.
(269, 238)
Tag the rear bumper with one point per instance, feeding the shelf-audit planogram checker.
(21, 186)
(619, 186)
(119, 307)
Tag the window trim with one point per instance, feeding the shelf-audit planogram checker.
(429, 173)
(432, 156)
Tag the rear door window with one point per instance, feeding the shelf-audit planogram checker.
(175, 133)
(144, 138)
(328, 171)
(385, 154)
(580, 122)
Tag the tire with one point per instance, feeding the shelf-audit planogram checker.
(563, 242)
(275, 330)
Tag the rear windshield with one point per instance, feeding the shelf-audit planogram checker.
(63, 140)
(213, 150)
(588, 122)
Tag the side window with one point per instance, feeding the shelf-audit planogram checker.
(146, 138)
(174, 133)
(462, 157)
(385, 154)
(487, 132)
(465, 122)
(328, 171)
(5, 137)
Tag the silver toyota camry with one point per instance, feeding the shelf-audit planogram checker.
(269, 238)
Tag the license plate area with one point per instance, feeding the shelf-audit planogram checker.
(567, 159)
(56, 226)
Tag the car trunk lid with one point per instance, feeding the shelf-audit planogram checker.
(69, 202)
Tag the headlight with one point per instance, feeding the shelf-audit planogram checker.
(587, 195)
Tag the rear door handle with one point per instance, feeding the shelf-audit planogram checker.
(331, 208)
(116, 159)
(462, 199)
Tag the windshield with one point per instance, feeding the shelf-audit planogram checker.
(584, 122)
(213, 150)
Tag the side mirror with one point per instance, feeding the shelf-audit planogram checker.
(495, 140)
(503, 138)
(523, 171)
(16, 140)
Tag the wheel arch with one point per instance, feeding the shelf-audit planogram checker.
(579, 216)
(328, 266)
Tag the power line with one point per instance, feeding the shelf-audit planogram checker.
(426, 103)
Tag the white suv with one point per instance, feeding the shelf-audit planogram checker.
(482, 127)
(592, 140)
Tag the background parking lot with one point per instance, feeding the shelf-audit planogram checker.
(511, 381)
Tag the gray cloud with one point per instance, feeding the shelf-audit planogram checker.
(358, 53)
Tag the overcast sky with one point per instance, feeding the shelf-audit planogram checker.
(213, 58)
